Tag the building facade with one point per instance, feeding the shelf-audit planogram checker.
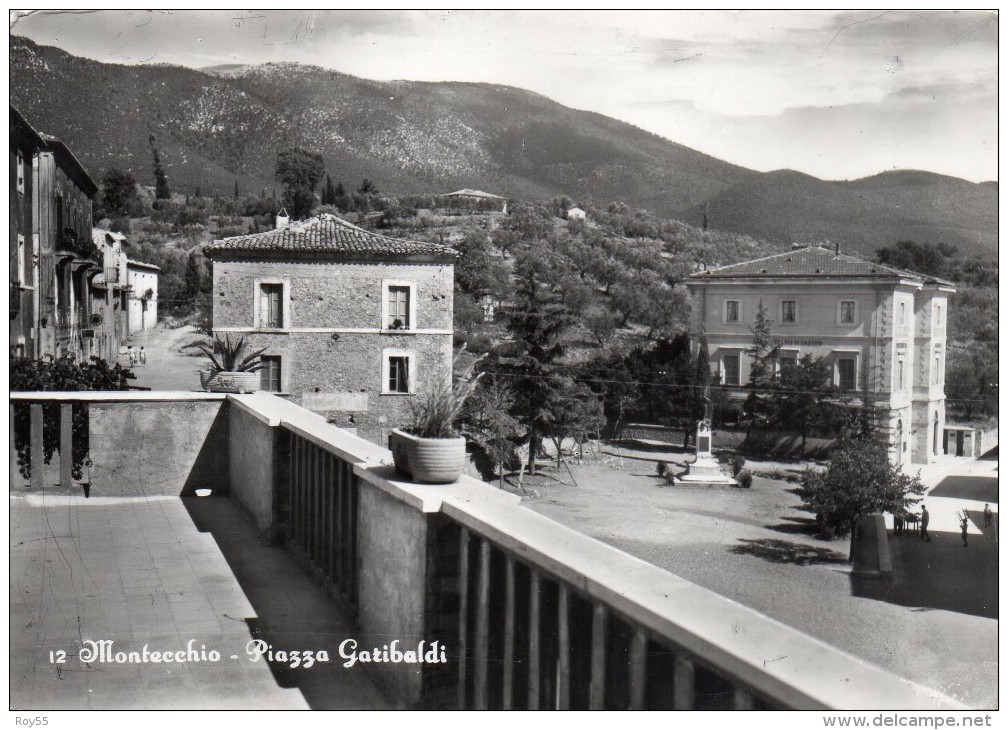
(880, 329)
(52, 256)
(143, 295)
(355, 324)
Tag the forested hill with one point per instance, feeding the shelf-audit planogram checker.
(219, 126)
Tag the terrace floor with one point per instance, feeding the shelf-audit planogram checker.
(161, 572)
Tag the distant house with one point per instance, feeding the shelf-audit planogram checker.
(143, 295)
(356, 325)
(881, 330)
(576, 214)
(52, 256)
(474, 199)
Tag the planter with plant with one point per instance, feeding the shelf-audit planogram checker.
(430, 449)
(231, 370)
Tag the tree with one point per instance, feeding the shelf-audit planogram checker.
(538, 325)
(196, 278)
(576, 413)
(198, 193)
(367, 188)
(860, 481)
(119, 193)
(802, 395)
(762, 375)
(299, 171)
(161, 191)
(236, 190)
(488, 422)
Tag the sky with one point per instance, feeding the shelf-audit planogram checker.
(838, 95)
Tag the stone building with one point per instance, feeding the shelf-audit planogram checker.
(882, 331)
(143, 295)
(355, 324)
(52, 256)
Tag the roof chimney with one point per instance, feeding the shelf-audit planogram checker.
(282, 219)
(837, 248)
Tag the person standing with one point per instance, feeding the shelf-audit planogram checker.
(143, 356)
(924, 519)
(988, 515)
(964, 524)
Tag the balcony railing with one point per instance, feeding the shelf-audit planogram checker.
(532, 614)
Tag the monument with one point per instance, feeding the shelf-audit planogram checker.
(705, 469)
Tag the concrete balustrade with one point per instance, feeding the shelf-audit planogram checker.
(532, 613)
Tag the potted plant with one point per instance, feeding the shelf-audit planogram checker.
(234, 372)
(430, 449)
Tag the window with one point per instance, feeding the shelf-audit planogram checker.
(732, 374)
(847, 312)
(788, 311)
(847, 374)
(22, 278)
(731, 313)
(398, 305)
(937, 370)
(398, 371)
(398, 308)
(271, 306)
(902, 316)
(20, 173)
(787, 358)
(270, 374)
(938, 315)
(398, 381)
(899, 374)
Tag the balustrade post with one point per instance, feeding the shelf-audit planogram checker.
(66, 445)
(598, 658)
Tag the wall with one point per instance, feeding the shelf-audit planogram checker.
(140, 317)
(392, 590)
(339, 358)
(20, 223)
(253, 464)
(158, 447)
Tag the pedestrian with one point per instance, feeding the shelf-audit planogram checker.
(924, 519)
(898, 525)
(988, 515)
(143, 356)
(964, 524)
(131, 354)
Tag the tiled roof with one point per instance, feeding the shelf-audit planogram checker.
(469, 193)
(327, 234)
(807, 262)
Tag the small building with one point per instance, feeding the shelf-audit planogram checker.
(881, 329)
(477, 200)
(53, 260)
(356, 325)
(142, 280)
(576, 214)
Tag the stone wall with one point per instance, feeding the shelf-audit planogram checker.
(158, 448)
(252, 455)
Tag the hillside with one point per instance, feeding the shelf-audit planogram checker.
(862, 215)
(223, 124)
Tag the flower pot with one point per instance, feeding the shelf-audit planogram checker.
(430, 460)
(229, 382)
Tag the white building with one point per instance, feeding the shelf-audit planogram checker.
(576, 214)
(143, 282)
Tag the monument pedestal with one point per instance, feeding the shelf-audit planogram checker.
(705, 469)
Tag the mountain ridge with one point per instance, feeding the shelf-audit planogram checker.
(225, 123)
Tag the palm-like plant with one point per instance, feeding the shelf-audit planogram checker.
(230, 354)
(434, 415)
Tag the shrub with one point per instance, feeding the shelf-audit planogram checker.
(62, 373)
(661, 469)
(231, 356)
(744, 478)
(736, 462)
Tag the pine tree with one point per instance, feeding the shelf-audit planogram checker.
(236, 190)
(198, 193)
(762, 373)
(538, 326)
(161, 191)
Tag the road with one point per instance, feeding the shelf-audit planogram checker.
(168, 366)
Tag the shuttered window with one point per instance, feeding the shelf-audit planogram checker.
(271, 306)
(398, 308)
